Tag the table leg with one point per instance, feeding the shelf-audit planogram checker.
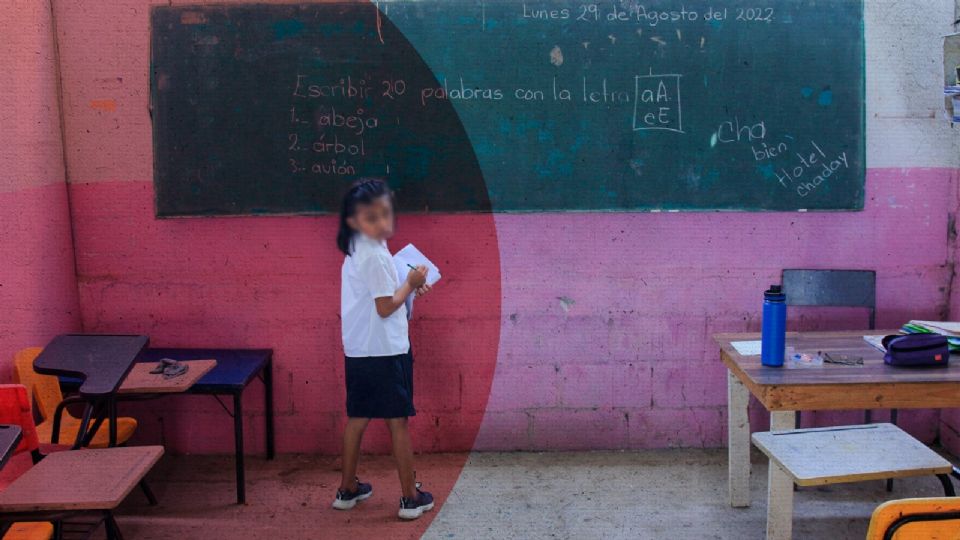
(780, 486)
(238, 441)
(738, 442)
(268, 406)
(112, 404)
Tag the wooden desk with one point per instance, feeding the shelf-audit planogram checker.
(80, 480)
(141, 381)
(874, 385)
(9, 439)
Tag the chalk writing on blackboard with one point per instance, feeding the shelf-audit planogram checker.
(337, 126)
(657, 103)
(632, 12)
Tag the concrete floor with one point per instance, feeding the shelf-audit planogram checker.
(672, 494)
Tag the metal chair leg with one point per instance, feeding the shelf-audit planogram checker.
(948, 489)
(113, 530)
(148, 493)
(84, 424)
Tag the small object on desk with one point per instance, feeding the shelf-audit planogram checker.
(170, 368)
(747, 348)
(876, 342)
(917, 350)
(801, 360)
(945, 328)
(773, 327)
(142, 380)
(842, 359)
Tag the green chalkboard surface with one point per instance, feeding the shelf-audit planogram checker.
(507, 106)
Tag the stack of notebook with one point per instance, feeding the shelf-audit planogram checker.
(949, 329)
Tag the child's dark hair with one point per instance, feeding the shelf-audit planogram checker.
(363, 191)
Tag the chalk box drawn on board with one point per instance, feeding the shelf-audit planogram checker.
(498, 105)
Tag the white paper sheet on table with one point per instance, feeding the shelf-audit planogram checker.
(876, 342)
(747, 348)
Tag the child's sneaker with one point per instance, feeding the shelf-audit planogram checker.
(414, 508)
(346, 499)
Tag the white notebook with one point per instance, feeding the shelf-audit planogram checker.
(412, 256)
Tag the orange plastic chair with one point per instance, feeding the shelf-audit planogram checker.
(29, 531)
(934, 518)
(15, 409)
(45, 389)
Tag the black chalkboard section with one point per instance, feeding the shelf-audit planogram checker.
(498, 105)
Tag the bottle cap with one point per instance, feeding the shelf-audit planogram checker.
(775, 292)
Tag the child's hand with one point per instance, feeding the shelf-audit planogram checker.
(417, 278)
(423, 290)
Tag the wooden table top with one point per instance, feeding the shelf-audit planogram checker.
(80, 480)
(873, 385)
(834, 455)
(141, 381)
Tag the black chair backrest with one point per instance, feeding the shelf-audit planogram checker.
(840, 288)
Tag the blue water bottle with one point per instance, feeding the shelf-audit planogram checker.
(773, 329)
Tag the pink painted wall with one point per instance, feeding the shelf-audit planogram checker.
(38, 292)
(613, 348)
(598, 325)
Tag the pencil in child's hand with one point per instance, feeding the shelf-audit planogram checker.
(412, 267)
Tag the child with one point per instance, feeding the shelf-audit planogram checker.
(379, 366)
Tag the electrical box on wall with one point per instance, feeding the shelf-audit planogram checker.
(951, 76)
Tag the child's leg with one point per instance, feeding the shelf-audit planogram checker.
(403, 453)
(352, 435)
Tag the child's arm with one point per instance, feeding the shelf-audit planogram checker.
(388, 305)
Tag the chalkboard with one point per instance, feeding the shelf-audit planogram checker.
(507, 106)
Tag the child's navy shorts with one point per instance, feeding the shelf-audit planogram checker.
(380, 386)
